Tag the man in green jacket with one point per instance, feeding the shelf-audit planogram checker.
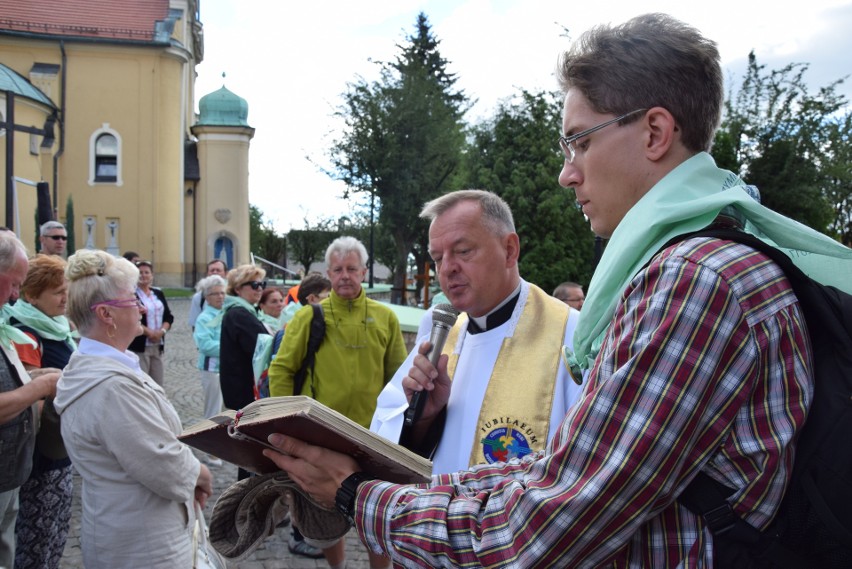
(360, 352)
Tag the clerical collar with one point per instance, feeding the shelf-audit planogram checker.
(498, 316)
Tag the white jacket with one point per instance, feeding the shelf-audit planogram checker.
(138, 479)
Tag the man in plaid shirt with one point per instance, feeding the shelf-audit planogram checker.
(696, 355)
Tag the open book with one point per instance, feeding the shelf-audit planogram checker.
(241, 440)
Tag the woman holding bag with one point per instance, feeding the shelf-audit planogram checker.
(139, 481)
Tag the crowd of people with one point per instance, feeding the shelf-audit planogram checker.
(561, 431)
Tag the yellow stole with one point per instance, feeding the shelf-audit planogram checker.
(514, 419)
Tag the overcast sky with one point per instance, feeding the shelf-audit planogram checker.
(291, 62)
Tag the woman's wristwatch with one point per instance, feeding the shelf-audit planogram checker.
(344, 500)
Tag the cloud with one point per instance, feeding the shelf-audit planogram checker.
(292, 61)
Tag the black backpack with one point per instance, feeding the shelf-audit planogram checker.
(813, 526)
(315, 338)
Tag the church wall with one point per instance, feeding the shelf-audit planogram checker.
(137, 94)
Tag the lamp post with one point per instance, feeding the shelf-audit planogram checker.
(372, 209)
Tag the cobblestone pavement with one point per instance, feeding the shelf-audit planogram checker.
(183, 387)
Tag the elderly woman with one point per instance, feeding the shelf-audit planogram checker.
(120, 429)
(240, 327)
(45, 498)
(271, 305)
(157, 319)
(208, 329)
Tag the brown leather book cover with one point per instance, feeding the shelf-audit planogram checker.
(241, 440)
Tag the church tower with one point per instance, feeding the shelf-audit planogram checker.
(218, 195)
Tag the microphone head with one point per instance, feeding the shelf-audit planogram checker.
(445, 314)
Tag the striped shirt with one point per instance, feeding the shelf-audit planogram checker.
(705, 366)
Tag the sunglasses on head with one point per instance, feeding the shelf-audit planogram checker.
(255, 284)
(58, 237)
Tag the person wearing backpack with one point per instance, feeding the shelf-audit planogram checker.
(697, 354)
(361, 350)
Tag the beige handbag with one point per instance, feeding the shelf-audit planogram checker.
(203, 554)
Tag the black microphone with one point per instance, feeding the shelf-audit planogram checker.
(443, 318)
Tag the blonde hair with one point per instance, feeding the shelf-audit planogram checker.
(94, 276)
(241, 275)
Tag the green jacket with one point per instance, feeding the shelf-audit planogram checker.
(361, 351)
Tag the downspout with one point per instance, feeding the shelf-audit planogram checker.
(194, 232)
(61, 133)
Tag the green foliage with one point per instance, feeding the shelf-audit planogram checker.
(384, 248)
(515, 155)
(263, 240)
(791, 144)
(403, 139)
(308, 245)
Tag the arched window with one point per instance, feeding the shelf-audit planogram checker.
(105, 151)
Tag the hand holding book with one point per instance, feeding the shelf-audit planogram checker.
(242, 439)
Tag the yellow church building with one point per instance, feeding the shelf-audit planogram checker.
(97, 101)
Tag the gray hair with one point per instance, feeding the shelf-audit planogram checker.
(10, 248)
(496, 214)
(342, 246)
(95, 276)
(206, 284)
(48, 225)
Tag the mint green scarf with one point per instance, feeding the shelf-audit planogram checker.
(9, 334)
(688, 199)
(231, 302)
(48, 327)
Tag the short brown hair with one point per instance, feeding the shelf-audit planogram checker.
(650, 61)
(313, 283)
(45, 272)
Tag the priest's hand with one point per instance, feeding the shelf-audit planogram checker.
(424, 376)
(317, 470)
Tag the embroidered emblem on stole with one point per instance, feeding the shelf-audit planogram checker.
(514, 419)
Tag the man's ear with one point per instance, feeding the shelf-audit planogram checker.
(663, 133)
(513, 249)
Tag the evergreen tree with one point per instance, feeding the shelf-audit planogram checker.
(403, 139)
(516, 156)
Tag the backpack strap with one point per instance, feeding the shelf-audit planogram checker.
(315, 338)
(707, 497)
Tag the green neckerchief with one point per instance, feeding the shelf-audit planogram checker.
(9, 334)
(688, 199)
(231, 302)
(48, 327)
(271, 321)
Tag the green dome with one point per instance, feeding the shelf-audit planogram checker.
(222, 108)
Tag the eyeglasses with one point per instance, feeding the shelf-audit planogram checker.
(121, 303)
(255, 284)
(566, 143)
(58, 237)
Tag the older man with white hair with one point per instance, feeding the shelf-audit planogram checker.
(20, 395)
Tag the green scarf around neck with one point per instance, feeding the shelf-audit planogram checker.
(9, 334)
(689, 198)
(231, 302)
(48, 327)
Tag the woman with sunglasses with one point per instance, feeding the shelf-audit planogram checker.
(120, 430)
(240, 326)
(44, 513)
(157, 319)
